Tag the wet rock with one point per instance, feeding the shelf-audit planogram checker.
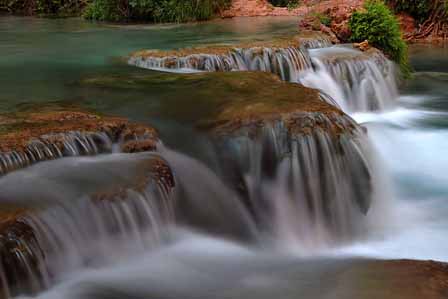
(407, 279)
(28, 137)
(319, 146)
(31, 248)
(20, 255)
(135, 146)
(283, 56)
(363, 46)
(188, 98)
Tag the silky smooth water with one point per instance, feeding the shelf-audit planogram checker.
(413, 141)
(43, 61)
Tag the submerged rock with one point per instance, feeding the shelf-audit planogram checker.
(317, 156)
(267, 129)
(188, 98)
(29, 137)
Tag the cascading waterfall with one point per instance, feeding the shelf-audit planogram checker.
(311, 188)
(49, 147)
(285, 62)
(305, 181)
(359, 82)
(68, 232)
(316, 43)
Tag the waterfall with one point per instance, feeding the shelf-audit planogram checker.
(310, 186)
(75, 143)
(358, 81)
(204, 202)
(49, 147)
(316, 43)
(285, 62)
(68, 231)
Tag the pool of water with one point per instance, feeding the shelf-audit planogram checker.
(48, 61)
(41, 59)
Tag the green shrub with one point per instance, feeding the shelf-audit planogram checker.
(290, 4)
(378, 25)
(154, 10)
(104, 10)
(53, 8)
(324, 19)
(419, 9)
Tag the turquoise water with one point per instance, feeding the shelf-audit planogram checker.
(42, 60)
(47, 61)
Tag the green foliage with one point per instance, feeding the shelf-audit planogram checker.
(154, 10)
(56, 8)
(104, 10)
(323, 18)
(419, 9)
(378, 25)
(290, 4)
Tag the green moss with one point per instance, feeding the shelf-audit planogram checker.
(188, 99)
(378, 25)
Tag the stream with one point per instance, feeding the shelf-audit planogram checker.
(44, 62)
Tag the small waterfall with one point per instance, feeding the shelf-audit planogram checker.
(204, 202)
(358, 81)
(49, 147)
(316, 43)
(70, 232)
(309, 185)
(72, 144)
(285, 62)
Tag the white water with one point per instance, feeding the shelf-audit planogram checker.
(358, 82)
(198, 266)
(415, 156)
(355, 80)
(285, 62)
(399, 225)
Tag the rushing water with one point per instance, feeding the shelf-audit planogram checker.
(280, 234)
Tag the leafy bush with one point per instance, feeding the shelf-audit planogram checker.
(324, 19)
(154, 10)
(378, 25)
(55, 8)
(419, 9)
(285, 3)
